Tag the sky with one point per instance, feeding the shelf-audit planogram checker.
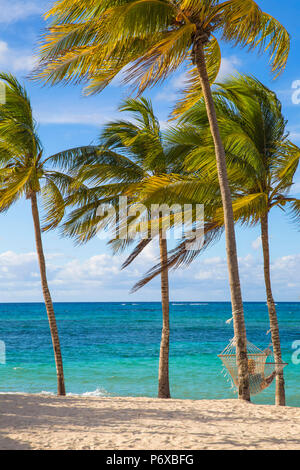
(68, 119)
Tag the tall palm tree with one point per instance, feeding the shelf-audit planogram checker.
(130, 153)
(25, 172)
(261, 161)
(269, 161)
(146, 41)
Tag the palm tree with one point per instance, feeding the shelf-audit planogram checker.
(261, 161)
(25, 172)
(269, 161)
(148, 40)
(131, 152)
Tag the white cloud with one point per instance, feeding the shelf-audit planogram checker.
(212, 269)
(228, 67)
(150, 253)
(179, 81)
(9, 258)
(74, 116)
(256, 244)
(287, 266)
(18, 268)
(97, 268)
(100, 277)
(19, 10)
(15, 60)
(213, 276)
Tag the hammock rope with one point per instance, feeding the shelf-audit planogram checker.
(261, 364)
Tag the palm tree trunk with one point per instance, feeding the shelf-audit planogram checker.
(163, 374)
(47, 297)
(232, 260)
(280, 388)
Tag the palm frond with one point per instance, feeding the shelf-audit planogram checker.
(248, 26)
(182, 255)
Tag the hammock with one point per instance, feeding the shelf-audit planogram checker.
(261, 364)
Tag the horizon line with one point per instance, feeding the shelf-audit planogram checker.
(148, 302)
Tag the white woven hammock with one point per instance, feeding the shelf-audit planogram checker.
(261, 364)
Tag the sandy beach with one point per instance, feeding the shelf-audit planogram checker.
(48, 422)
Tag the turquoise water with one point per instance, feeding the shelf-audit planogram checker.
(112, 348)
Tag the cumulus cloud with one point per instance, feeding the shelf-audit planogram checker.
(19, 10)
(15, 60)
(228, 67)
(97, 268)
(216, 271)
(100, 278)
(256, 244)
(213, 277)
(97, 278)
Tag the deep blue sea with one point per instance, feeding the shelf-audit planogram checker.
(111, 349)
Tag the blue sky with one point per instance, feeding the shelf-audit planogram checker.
(67, 119)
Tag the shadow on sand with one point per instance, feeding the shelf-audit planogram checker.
(21, 413)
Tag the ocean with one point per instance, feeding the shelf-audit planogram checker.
(111, 349)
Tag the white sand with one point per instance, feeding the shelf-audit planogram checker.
(48, 422)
